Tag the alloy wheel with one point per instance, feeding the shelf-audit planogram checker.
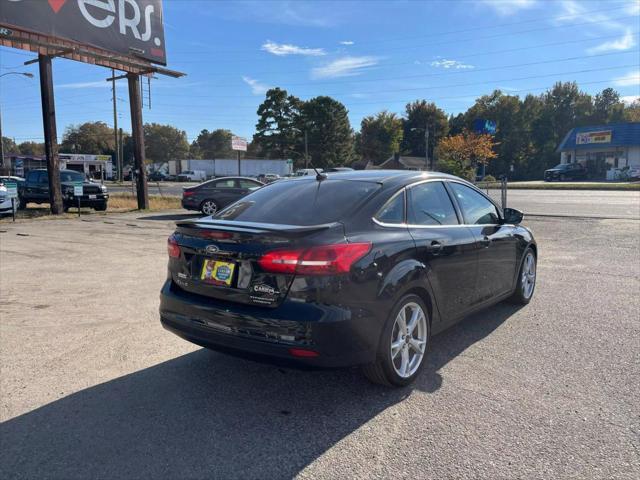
(209, 207)
(408, 339)
(528, 280)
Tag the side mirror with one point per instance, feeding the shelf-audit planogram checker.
(511, 215)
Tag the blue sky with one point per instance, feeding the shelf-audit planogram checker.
(371, 56)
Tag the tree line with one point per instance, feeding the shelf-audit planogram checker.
(317, 132)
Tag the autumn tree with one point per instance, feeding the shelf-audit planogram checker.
(461, 154)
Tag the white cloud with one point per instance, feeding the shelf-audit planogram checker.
(631, 79)
(509, 7)
(347, 42)
(98, 84)
(282, 49)
(447, 64)
(257, 88)
(629, 99)
(623, 43)
(571, 11)
(344, 67)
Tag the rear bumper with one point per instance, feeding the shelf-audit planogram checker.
(189, 204)
(268, 334)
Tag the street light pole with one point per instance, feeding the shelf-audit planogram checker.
(24, 74)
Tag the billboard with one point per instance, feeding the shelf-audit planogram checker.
(238, 143)
(587, 138)
(125, 27)
(480, 125)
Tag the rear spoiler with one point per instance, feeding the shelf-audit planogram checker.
(252, 227)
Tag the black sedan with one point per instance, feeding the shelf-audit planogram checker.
(357, 268)
(211, 196)
(565, 172)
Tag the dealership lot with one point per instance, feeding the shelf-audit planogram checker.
(93, 387)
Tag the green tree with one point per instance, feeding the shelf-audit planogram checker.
(418, 116)
(379, 137)
(164, 142)
(607, 107)
(31, 148)
(93, 138)
(212, 145)
(329, 134)
(632, 112)
(9, 146)
(277, 130)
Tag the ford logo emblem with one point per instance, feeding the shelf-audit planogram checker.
(212, 249)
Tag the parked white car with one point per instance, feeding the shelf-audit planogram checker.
(192, 176)
(634, 172)
(5, 201)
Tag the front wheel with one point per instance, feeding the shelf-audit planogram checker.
(209, 207)
(403, 345)
(526, 279)
(101, 207)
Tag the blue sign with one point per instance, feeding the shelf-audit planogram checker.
(480, 125)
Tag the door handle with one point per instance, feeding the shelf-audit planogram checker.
(485, 242)
(435, 247)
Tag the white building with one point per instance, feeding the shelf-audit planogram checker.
(604, 150)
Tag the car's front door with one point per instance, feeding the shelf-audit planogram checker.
(445, 246)
(495, 242)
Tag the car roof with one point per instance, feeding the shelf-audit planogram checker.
(385, 177)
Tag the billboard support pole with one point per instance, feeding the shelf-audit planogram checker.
(115, 125)
(138, 140)
(50, 133)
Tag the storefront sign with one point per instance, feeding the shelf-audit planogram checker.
(586, 138)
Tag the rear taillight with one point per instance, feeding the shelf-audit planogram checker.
(188, 193)
(318, 260)
(172, 247)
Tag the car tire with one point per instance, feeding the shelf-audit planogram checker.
(389, 366)
(209, 207)
(101, 208)
(526, 284)
(562, 178)
(20, 204)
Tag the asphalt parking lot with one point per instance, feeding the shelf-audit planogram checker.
(92, 386)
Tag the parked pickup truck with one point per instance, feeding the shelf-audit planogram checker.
(36, 189)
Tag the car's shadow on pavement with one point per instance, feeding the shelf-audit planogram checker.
(205, 414)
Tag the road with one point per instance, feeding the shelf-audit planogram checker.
(586, 203)
(582, 203)
(93, 387)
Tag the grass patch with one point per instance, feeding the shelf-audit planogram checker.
(124, 202)
(118, 203)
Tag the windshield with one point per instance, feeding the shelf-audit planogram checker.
(71, 177)
(316, 202)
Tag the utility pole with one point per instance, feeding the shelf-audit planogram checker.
(306, 150)
(50, 133)
(120, 155)
(138, 140)
(426, 147)
(115, 123)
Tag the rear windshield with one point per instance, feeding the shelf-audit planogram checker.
(302, 203)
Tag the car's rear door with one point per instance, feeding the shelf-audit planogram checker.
(495, 243)
(223, 191)
(445, 246)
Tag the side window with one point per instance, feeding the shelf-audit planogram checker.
(429, 204)
(228, 183)
(477, 210)
(393, 210)
(247, 183)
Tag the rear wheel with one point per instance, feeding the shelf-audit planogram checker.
(526, 279)
(209, 207)
(403, 345)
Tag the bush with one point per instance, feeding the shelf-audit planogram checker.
(489, 178)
